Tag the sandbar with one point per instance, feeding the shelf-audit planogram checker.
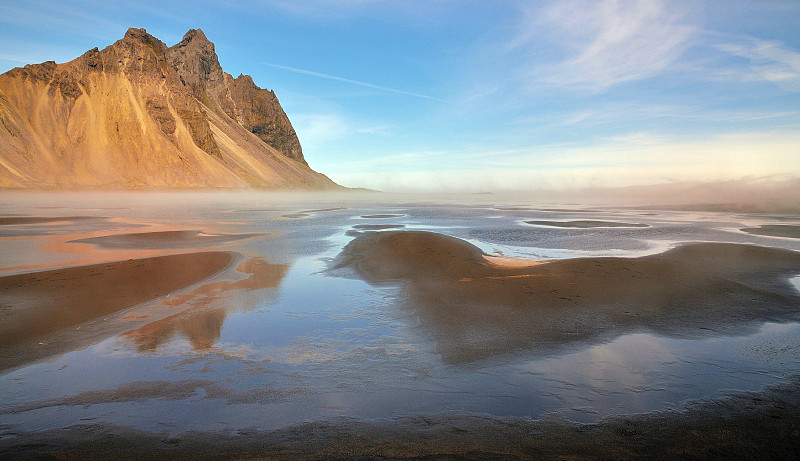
(378, 226)
(307, 213)
(775, 230)
(381, 216)
(38, 305)
(162, 240)
(477, 307)
(19, 220)
(585, 224)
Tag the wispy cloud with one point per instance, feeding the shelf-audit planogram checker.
(60, 16)
(352, 82)
(622, 112)
(768, 60)
(607, 42)
(319, 130)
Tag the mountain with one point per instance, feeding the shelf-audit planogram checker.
(139, 114)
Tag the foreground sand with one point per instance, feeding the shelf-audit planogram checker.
(39, 308)
(744, 426)
(476, 306)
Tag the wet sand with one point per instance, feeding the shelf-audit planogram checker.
(375, 227)
(742, 426)
(40, 304)
(585, 224)
(307, 213)
(775, 230)
(381, 216)
(190, 377)
(162, 240)
(20, 220)
(475, 308)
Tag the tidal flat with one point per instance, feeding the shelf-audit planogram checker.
(343, 325)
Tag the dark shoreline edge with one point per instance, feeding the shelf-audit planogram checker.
(742, 425)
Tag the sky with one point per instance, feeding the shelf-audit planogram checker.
(479, 96)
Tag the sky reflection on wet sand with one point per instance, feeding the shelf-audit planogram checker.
(278, 338)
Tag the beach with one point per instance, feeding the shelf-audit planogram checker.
(348, 326)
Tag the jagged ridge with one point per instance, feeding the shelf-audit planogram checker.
(141, 114)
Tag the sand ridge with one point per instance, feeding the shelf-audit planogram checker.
(584, 224)
(163, 239)
(37, 305)
(775, 230)
(23, 220)
(476, 309)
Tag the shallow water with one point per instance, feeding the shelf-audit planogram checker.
(299, 342)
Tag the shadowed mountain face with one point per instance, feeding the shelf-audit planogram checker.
(141, 114)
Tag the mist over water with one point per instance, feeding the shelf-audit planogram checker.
(278, 337)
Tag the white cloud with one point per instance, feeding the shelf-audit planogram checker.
(769, 61)
(317, 131)
(352, 82)
(635, 159)
(606, 42)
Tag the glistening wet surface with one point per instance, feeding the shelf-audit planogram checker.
(279, 337)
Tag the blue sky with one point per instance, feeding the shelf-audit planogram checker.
(488, 95)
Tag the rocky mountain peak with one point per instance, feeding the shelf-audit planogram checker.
(196, 61)
(136, 36)
(140, 114)
(136, 33)
(198, 35)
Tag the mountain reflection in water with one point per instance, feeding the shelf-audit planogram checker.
(202, 323)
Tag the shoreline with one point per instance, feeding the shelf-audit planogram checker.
(759, 425)
(742, 425)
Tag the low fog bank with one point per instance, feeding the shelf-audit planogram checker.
(748, 195)
(745, 195)
(758, 195)
(753, 195)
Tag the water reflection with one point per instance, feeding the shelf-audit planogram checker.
(202, 323)
(41, 310)
(281, 345)
(476, 308)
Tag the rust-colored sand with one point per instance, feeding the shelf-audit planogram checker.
(36, 305)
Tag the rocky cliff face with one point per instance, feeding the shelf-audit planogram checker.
(141, 114)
